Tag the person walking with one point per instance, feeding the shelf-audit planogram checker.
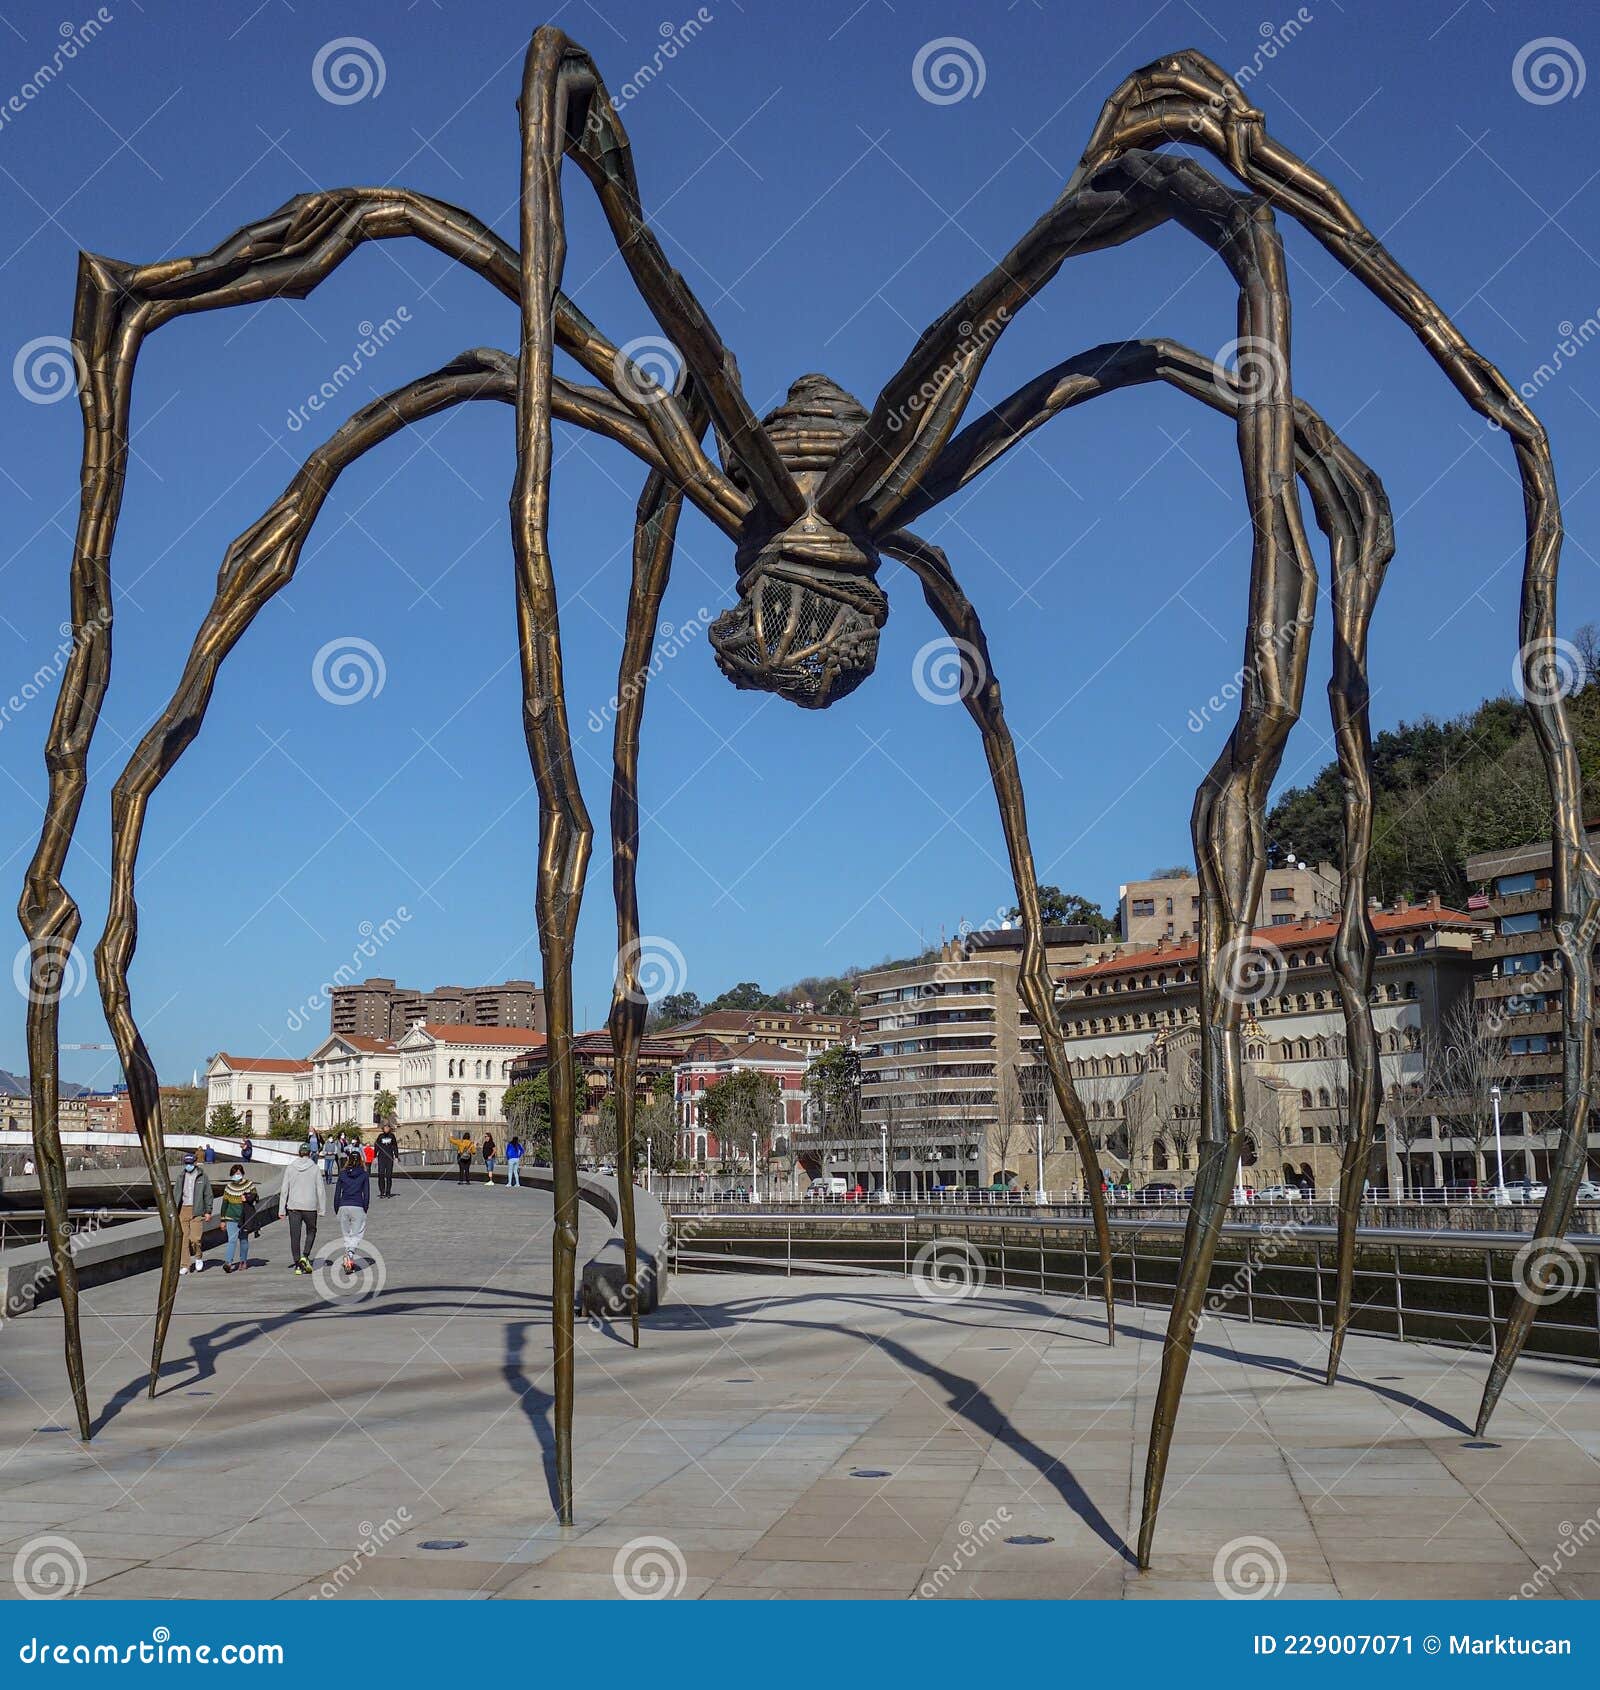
(386, 1150)
(351, 1201)
(246, 1148)
(300, 1203)
(488, 1156)
(192, 1190)
(239, 1199)
(513, 1160)
(463, 1159)
(368, 1153)
(330, 1160)
(210, 1153)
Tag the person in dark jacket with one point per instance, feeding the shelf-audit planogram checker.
(386, 1149)
(487, 1148)
(351, 1200)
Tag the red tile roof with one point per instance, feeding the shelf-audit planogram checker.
(524, 1038)
(263, 1064)
(1291, 936)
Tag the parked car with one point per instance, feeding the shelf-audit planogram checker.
(1518, 1191)
(1280, 1194)
(734, 1194)
(1588, 1191)
(1187, 1194)
(1158, 1191)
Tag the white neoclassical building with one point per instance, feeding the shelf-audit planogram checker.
(252, 1084)
(348, 1072)
(453, 1079)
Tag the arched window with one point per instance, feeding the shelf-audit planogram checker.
(249, 1092)
(455, 1103)
(483, 1104)
(1305, 1100)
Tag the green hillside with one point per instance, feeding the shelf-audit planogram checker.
(1447, 789)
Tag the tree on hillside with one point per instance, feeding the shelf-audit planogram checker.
(746, 995)
(1065, 909)
(674, 1009)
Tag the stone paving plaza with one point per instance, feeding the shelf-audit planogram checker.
(303, 1448)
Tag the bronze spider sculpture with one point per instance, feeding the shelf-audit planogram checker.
(813, 497)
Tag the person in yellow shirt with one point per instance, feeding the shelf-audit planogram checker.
(465, 1150)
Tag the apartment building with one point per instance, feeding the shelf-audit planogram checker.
(1168, 908)
(944, 1044)
(1132, 1026)
(379, 1009)
(1517, 995)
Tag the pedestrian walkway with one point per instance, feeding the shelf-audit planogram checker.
(773, 1437)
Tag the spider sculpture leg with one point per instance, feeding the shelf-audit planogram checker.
(981, 694)
(258, 565)
(118, 304)
(1352, 510)
(654, 538)
(1188, 99)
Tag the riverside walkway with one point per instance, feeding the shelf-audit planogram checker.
(774, 1437)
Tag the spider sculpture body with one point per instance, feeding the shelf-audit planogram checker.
(813, 498)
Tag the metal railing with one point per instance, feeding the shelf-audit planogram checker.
(1452, 1289)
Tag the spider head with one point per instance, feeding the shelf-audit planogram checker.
(803, 628)
(806, 624)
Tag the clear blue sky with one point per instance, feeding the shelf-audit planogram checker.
(825, 212)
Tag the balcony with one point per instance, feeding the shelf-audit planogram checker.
(1514, 944)
(1520, 903)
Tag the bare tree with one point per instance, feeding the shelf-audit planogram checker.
(1465, 1064)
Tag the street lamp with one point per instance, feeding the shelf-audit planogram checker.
(1038, 1157)
(883, 1134)
(1499, 1155)
(755, 1186)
